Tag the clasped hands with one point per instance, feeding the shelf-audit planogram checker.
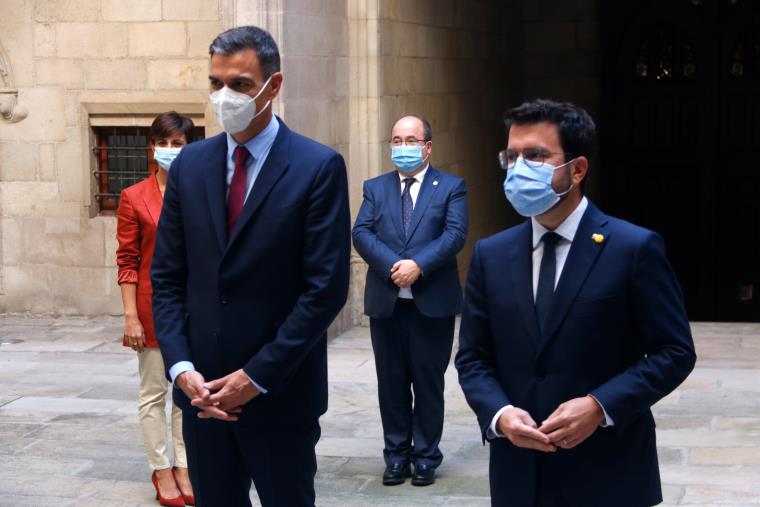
(404, 273)
(569, 425)
(218, 399)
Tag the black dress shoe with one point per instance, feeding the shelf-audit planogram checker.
(424, 475)
(395, 473)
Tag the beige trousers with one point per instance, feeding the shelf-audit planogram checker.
(151, 409)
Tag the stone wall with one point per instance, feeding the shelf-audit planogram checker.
(445, 60)
(313, 41)
(562, 56)
(73, 61)
(351, 68)
(315, 103)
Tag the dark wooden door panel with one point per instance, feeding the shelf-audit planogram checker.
(680, 141)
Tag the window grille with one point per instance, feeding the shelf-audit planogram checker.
(124, 157)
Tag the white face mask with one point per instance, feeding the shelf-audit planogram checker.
(234, 110)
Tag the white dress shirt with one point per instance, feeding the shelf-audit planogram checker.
(566, 230)
(259, 147)
(414, 191)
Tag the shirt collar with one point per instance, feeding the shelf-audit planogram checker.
(566, 229)
(419, 176)
(258, 145)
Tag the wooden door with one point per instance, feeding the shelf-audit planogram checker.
(680, 136)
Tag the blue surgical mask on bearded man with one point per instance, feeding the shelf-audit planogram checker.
(529, 189)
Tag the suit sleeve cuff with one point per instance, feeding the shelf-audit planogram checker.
(492, 431)
(264, 391)
(607, 419)
(178, 368)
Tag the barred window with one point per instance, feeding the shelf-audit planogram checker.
(124, 157)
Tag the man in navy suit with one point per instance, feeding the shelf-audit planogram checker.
(250, 268)
(411, 225)
(573, 327)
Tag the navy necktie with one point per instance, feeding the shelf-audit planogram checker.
(546, 277)
(407, 206)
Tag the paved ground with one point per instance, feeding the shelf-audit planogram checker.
(69, 433)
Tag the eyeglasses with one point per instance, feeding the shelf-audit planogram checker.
(534, 157)
(409, 141)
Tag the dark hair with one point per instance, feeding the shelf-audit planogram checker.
(577, 131)
(171, 123)
(249, 37)
(427, 130)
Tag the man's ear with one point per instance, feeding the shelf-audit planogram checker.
(579, 170)
(275, 84)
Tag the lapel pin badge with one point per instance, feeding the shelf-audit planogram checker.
(598, 238)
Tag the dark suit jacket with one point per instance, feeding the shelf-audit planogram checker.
(618, 330)
(136, 222)
(437, 232)
(262, 299)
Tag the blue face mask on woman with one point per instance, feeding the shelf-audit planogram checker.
(407, 158)
(165, 156)
(529, 189)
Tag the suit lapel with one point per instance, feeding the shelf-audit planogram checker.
(392, 189)
(274, 167)
(153, 199)
(429, 185)
(522, 277)
(216, 187)
(582, 256)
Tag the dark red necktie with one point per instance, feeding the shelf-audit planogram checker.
(238, 186)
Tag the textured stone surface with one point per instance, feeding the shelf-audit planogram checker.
(96, 40)
(191, 9)
(157, 39)
(199, 37)
(46, 121)
(68, 413)
(134, 10)
(121, 74)
(178, 74)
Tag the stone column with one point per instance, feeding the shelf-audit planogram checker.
(366, 139)
(266, 14)
(312, 36)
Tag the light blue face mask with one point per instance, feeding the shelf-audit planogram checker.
(407, 158)
(165, 156)
(529, 189)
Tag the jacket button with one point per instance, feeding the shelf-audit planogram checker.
(223, 299)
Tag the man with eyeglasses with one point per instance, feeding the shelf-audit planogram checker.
(573, 326)
(411, 225)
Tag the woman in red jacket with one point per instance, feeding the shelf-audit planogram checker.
(138, 213)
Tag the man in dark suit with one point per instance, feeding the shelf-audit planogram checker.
(411, 225)
(250, 268)
(573, 327)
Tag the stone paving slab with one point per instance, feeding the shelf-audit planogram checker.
(69, 434)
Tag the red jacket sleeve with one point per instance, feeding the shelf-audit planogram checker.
(128, 236)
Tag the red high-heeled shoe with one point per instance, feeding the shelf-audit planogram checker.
(189, 499)
(168, 502)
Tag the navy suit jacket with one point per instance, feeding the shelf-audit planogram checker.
(618, 331)
(263, 298)
(437, 232)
